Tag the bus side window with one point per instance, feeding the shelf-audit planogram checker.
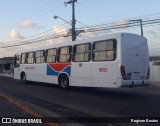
(30, 57)
(64, 54)
(39, 56)
(51, 55)
(81, 52)
(104, 50)
(23, 58)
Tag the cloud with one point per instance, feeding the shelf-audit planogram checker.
(15, 35)
(89, 33)
(13, 50)
(59, 30)
(121, 23)
(29, 24)
(152, 32)
(1, 42)
(154, 51)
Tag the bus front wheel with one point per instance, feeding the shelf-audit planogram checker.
(64, 82)
(23, 78)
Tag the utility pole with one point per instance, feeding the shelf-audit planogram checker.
(73, 18)
(140, 21)
(141, 27)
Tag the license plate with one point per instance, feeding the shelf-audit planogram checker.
(135, 76)
(142, 77)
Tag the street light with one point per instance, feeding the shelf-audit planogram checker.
(72, 24)
(55, 17)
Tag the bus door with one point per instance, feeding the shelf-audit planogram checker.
(16, 67)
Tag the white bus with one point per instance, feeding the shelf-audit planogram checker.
(115, 60)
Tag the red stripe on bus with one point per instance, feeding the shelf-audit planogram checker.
(59, 66)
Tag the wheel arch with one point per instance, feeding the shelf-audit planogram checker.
(22, 73)
(63, 74)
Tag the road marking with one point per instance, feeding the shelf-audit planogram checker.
(25, 108)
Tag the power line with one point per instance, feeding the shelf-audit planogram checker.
(34, 41)
(32, 14)
(128, 25)
(27, 39)
(87, 30)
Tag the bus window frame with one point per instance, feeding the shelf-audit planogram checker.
(70, 54)
(44, 53)
(25, 59)
(114, 50)
(32, 57)
(51, 55)
(90, 51)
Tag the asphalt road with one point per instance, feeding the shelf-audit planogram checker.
(52, 101)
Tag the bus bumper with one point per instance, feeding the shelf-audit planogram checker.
(128, 83)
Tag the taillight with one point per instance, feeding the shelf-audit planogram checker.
(148, 73)
(123, 73)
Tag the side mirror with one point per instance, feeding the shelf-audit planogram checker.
(14, 60)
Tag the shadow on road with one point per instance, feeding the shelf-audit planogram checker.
(122, 92)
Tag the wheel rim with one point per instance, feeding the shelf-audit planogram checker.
(64, 83)
(24, 78)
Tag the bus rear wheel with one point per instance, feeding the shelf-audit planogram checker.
(64, 82)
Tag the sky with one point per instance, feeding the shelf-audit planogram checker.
(24, 19)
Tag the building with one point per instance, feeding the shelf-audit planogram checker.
(6, 65)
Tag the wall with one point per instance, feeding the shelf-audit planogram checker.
(154, 72)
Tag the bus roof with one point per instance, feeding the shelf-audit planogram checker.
(91, 39)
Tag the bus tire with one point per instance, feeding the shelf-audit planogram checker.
(23, 78)
(64, 82)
